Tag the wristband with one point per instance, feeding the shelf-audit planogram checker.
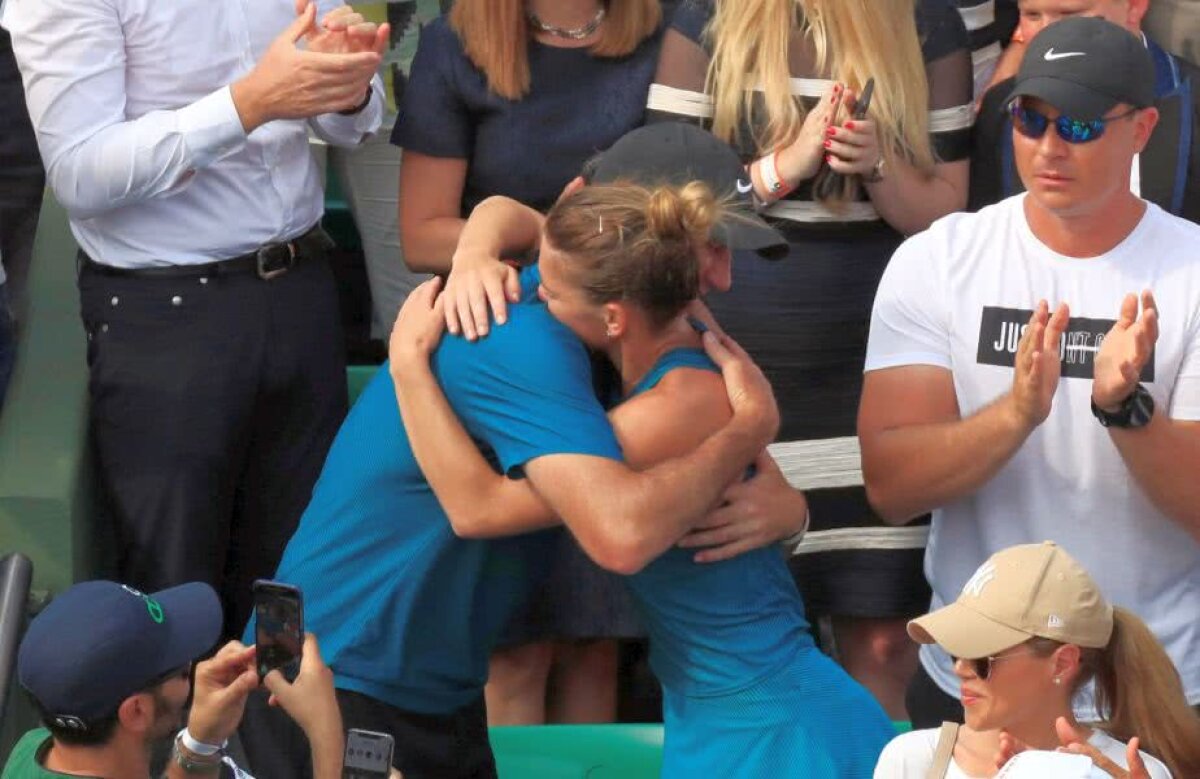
(198, 747)
(768, 171)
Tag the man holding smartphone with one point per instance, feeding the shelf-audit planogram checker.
(114, 694)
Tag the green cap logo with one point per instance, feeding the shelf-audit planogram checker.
(156, 612)
(152, 606)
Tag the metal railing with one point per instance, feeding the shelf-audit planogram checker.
(16, 575)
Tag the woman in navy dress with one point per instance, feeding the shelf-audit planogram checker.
(512, 98)
(779, 79)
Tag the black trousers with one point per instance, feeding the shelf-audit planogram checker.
(453, 746)
(214, 400)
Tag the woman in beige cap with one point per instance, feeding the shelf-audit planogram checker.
(1029, 630)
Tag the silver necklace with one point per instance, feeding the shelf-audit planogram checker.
(570, 33)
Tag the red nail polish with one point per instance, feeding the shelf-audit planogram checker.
(831, 131)
(828, 144)
(849, 125)
(829, 158)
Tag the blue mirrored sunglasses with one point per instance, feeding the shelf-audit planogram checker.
(1033, 123)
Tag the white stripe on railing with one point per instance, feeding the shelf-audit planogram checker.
(812, 211)
(863, 538)
(679, 101)
(979, 16)
(820, 464)
(960, 117)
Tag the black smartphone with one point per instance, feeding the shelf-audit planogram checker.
(368, 755)
(863, 103)
(826, 183)
(278, 627)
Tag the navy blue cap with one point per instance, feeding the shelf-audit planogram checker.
(100, 642)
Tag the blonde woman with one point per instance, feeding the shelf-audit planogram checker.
(780, 79)
(511, 97)
(1030, 631)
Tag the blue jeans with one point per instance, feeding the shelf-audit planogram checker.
(8, 343)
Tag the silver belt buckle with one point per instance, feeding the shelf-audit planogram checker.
(275, 259)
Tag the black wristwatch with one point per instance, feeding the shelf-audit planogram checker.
(1135, 411)
(366, 102)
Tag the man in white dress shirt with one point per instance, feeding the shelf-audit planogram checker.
(176, 136)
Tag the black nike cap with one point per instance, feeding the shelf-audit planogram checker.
(1084, 66)
(677, 153)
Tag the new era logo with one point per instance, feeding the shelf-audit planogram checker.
(1055, 621)
(975, 585)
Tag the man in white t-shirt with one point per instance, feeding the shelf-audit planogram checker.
(1013, 384)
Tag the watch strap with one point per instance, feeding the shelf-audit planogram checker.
(193, 763)
(1136, 410)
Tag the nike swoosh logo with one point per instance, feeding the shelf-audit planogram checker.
(1050, 56)
(744, 188)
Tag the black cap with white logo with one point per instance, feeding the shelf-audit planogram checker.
(676, 153)
(1083, 66)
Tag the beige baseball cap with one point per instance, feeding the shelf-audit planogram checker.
(1020, 592)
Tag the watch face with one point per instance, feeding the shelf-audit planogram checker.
(1142, 408)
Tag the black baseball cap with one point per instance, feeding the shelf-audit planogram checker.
(1084, 65)
(676, 153)
(100, 642)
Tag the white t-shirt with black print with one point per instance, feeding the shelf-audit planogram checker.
(957, 296)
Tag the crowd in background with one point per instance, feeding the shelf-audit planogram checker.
(899, 335)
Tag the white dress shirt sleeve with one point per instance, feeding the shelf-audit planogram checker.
(350, 131)
(72, 58)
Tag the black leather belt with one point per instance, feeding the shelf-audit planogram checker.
(268, 261)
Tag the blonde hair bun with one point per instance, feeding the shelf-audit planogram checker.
(684, 214)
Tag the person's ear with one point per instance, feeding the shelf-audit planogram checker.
(136, 713)
(1135, 12)
(616, 320)
(1144, 124)
(573, 186)
(1066, 665)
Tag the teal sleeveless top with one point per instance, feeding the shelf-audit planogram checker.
(716, 628)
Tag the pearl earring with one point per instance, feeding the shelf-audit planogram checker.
(1057, 680)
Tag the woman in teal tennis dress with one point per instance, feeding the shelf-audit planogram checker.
(746, 692)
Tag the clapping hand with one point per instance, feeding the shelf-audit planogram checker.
(291, 83)
(344, 31)
(1126, 349)
(801, 159)
(1037, 367)
(1076, 742)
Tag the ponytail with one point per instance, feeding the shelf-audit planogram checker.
(1139, 693)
